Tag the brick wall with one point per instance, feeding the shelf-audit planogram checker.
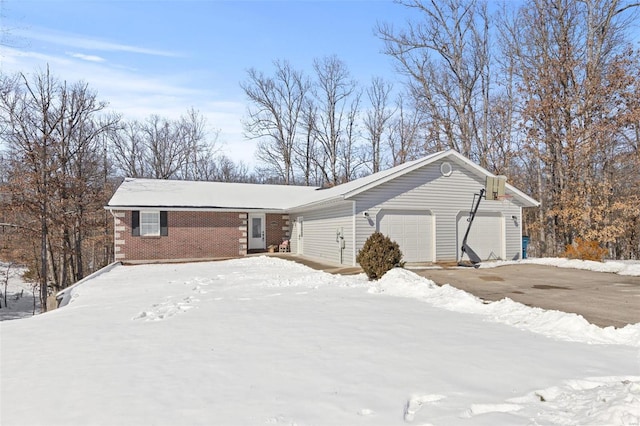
(277, 228)
(192, 235)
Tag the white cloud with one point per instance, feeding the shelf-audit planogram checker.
(90, 58)
(131, 89)
(136, 94)
(83, 42)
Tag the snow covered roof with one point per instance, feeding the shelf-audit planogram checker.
(140, 193)
(180, 194)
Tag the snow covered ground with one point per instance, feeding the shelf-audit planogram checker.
(20, 300)
(263, 341)
(621, 267)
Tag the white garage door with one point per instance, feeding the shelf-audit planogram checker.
(412, 230)
(486, 238)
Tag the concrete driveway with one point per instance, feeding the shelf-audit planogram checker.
(601, 298)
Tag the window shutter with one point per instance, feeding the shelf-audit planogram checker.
(164, 227)
(135, 223)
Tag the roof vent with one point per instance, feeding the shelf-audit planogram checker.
(446, 169)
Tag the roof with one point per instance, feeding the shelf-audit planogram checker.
(349, 189)
(355, 187)
(140, 193)
(181, 194)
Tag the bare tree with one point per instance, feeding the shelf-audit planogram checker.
(226, 170)
(377, 118)
(274, 116)
(165, 151)
(350, 151)
(334, 91)
(6, 283)
(200, 145)
(163, 148)
(306, 149)
(51, 130)
(404, 138)
(128, 149)
(30, 113)
(446, 57)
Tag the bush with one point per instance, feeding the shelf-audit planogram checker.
(378, 255)
(585, 250)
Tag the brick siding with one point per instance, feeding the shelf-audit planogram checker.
(194, 235)
(277, 228)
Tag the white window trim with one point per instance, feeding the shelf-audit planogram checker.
(144, 232)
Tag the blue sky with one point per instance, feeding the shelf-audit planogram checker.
(162, 57)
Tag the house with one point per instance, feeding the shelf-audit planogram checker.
(423, 205)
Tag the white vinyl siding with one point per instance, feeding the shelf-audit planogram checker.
(486, 236)
(149, 223)
(320, 233)
(412, 230)
(444, 196)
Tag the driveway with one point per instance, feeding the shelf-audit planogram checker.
(603, 299)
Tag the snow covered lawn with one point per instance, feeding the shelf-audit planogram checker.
(20, 300)
(258, 341)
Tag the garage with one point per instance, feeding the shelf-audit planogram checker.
(486, 239)
(412, 230)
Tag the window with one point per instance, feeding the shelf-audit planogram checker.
(256, 227)
(149, 223)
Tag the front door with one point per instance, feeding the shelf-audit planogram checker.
(256, 231)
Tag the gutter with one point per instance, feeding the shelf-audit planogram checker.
(307, 206)
(198, 209)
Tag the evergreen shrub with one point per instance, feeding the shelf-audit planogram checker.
(378, 255)
(585, 250)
